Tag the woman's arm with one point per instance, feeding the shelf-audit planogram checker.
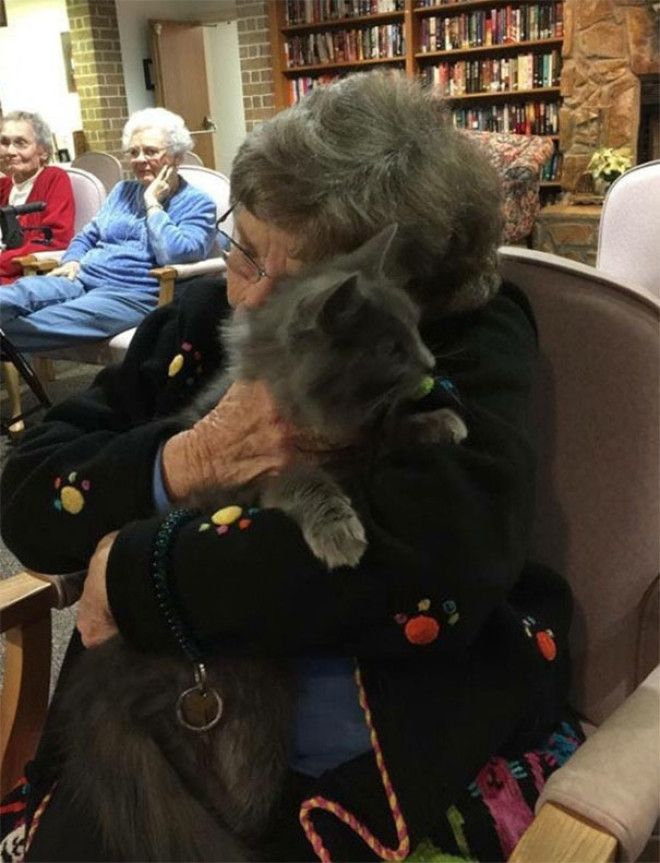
(447, 529)
(185, 231)
(87, 469)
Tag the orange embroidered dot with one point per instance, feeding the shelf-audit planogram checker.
(422, 629)
(546, 645)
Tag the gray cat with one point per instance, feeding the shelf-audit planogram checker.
(339, 349)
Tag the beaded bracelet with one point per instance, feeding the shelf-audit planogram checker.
(160, 575)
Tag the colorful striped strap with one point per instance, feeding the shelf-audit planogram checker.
(403, 849)
(36, 818)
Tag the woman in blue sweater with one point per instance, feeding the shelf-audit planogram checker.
(103, 285)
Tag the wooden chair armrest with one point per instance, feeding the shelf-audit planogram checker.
(25, 604)
(33, 266)
(24, 261)
(25, 598)
(559, 836)
(168, 274)
(166, 277)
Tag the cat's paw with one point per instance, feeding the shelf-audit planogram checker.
(452, 426)
(440, 426)
(337, 542)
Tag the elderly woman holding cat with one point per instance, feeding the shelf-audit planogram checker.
(423, 711)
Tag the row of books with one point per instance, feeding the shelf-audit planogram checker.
(502, 74)
(317, 11)
(484, 27)
(552, 168)
(525, 118)
(302, 84)
(345, 46)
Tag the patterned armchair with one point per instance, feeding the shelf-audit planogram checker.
(518, 159)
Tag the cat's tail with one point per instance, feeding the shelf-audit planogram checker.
(127, 784)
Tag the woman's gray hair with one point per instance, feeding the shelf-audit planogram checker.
(373, 149)
(171, 125)
(40, 127)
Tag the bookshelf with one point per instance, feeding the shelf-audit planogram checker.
(497, 63)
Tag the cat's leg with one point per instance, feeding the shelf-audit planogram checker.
(440, 426)
(324, 513)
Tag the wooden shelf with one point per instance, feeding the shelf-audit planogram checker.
(505, 94)
(348, 64)
(490, 49)
(411, 20)
(343, 23)
(449, 8)
(550, 184)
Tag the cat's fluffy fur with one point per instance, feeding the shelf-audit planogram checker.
(340, 350)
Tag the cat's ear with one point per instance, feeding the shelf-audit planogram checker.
(340, 305)
(323, 303)
(373, 256)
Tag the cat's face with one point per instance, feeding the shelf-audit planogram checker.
(362, 357)
(338, 344)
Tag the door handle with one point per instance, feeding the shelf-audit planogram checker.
(208, 124)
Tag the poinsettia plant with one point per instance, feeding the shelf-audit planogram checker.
(608, 163)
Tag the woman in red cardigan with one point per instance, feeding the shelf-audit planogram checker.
(25, 148)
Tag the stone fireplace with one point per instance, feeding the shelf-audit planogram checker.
(608, 46)
(611, 64)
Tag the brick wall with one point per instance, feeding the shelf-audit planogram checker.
(256, 61)
(99, 75)
(98, 71)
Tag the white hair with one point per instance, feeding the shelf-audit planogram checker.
(172, 126)
(40, 127)
(371, 149)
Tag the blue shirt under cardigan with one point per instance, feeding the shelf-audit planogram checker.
(120, 245)
(329, 725)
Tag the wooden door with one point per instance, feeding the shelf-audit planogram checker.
(179, 61)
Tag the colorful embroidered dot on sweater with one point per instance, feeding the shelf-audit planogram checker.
(70, 499)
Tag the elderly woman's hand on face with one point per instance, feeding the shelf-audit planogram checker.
(161, 187)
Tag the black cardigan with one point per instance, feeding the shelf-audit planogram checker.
(438, 611)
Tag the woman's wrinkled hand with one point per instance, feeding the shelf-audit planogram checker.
(95, 621)
(70, 270)
(161, 187)
(240, 439)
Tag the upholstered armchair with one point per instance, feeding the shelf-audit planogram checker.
(518, 160)
(105, 166)
(596, 522)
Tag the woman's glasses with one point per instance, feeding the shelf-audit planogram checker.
(238, 258)
(147, 152)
